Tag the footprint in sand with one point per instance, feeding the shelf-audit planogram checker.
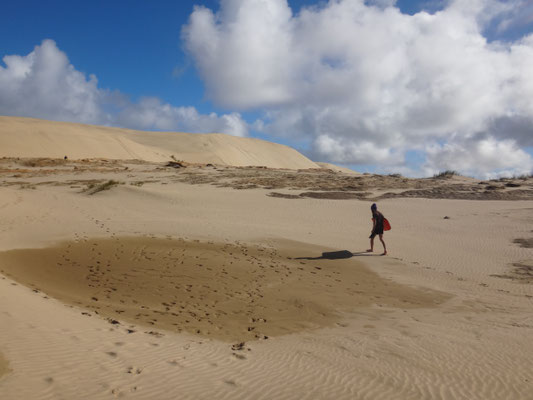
(134, 370)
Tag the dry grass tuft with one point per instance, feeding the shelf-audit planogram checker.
(42, 162)
(95, 188)
(446, 174)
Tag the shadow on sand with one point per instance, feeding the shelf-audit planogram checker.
(330, 255)
(338, 255)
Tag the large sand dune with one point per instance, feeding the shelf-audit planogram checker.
(29, 137)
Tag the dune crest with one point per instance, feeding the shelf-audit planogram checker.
(30, 137)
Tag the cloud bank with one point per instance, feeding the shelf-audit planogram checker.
(43, 84)
(366, 84)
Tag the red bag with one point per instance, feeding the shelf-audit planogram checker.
(386, 225)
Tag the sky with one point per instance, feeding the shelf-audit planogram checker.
(410, 86)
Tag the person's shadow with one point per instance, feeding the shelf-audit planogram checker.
(329, 255)
(337, 255)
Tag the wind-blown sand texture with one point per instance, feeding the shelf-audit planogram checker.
(134, 279)
(4, 365)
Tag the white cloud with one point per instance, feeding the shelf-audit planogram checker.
(349, 153)
(361, 75)
(242, 57)
(381, 3)
(514, 14)
(487, 158)
(43, 84)
(151, 114)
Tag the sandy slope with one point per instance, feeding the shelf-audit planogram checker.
(470, 341)
(336, 168)
(28, 137)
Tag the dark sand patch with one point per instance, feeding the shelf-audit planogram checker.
(284, 195)
(4, 365)
(322, 195)
(526, 243)
(521, 272)
(225, 291)
(335, 195)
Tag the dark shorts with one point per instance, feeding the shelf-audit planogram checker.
(376, 232)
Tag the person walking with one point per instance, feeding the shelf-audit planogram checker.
(377, 228)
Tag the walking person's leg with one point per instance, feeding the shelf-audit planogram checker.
(371, 249)
(383, 243)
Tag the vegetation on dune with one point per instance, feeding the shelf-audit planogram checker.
(446, 174)
(95, 188)
(524, 177)
(42, 162)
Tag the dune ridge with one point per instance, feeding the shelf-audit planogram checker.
(29, 137)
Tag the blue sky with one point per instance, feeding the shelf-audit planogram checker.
(140, 49)
(131, 46)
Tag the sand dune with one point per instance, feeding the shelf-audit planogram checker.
(130, 279)
(28, 137)
(336, 168)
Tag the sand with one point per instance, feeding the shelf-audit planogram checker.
(93, 283)
(29, 137)
(228, 292)
(4, 365)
